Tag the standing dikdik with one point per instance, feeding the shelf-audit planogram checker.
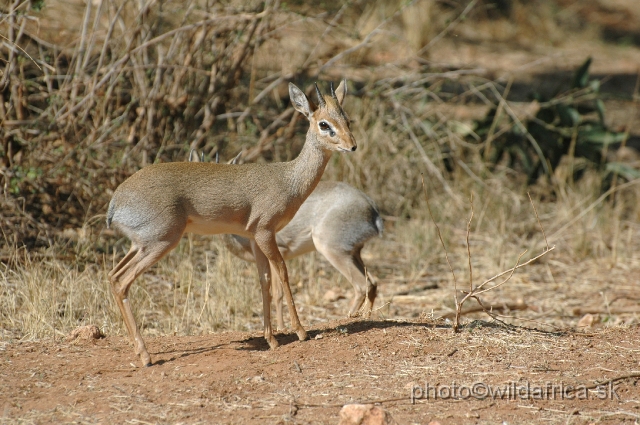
(158, 204)
(336, 220)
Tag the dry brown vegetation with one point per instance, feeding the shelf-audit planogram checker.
(90, 92)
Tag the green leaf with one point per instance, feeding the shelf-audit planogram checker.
(37, 5)
(624, 170)
(581, 77)
(599, 136)
(569, 117)
(600, 110)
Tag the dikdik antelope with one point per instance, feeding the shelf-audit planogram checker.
(335, 220)
(158, 204)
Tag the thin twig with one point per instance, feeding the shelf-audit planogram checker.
(518, 266)
(449, 27)
(538, 218)
(446, 254)
(478, 290)
(23, 51)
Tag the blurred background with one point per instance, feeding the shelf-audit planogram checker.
(488, 100)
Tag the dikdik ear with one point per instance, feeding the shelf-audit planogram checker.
(299, 101)
(341, 91)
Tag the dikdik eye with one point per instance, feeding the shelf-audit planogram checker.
(324, 126)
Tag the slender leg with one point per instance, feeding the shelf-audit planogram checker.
(372, 285)
(114, 276)
(351, 266)
(132, 251)
(266, 241)
(121, 279)
(264, 272)
(276, 286)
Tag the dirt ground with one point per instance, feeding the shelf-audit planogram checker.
(415, 367)
(232, 377)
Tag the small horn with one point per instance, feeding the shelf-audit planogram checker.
(333, 93)
(321, 102)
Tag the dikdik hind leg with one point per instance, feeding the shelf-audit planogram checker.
(113, 276)
(137, 260)
(351, 266)
(266, 241)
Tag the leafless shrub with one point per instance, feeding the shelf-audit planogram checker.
(475, 291)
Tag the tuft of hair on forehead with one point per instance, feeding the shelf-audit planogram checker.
(333, 108)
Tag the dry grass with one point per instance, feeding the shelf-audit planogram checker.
(200, 287)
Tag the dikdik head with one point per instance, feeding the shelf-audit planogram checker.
(328, 120)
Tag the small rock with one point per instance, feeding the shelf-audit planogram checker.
(586, 321)
(365, 414)
(319, 336)
(331, 296)
(86, 333)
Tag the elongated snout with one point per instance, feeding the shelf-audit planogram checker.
(350, 145)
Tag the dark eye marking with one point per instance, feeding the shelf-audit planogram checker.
(324, 126)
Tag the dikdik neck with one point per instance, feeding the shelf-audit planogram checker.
(308, 167)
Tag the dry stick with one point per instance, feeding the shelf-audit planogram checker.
(251, 44)
(8, 69)
(88, 56)
(495, 316)
(23, 51)
(449, 27)
(425, 78)
(469, 246)
(483, 308)
(545, 252)
(255, 151)
(103, 53)
(92, 39)
(17, 94)
(79, 55)
(233, 71)
(446, 254)
(478, 289)
(326, 32)
(366, 40)
(538, 218)
(491, 135)
(431, 167)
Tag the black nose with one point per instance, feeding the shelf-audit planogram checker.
(353, 148)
